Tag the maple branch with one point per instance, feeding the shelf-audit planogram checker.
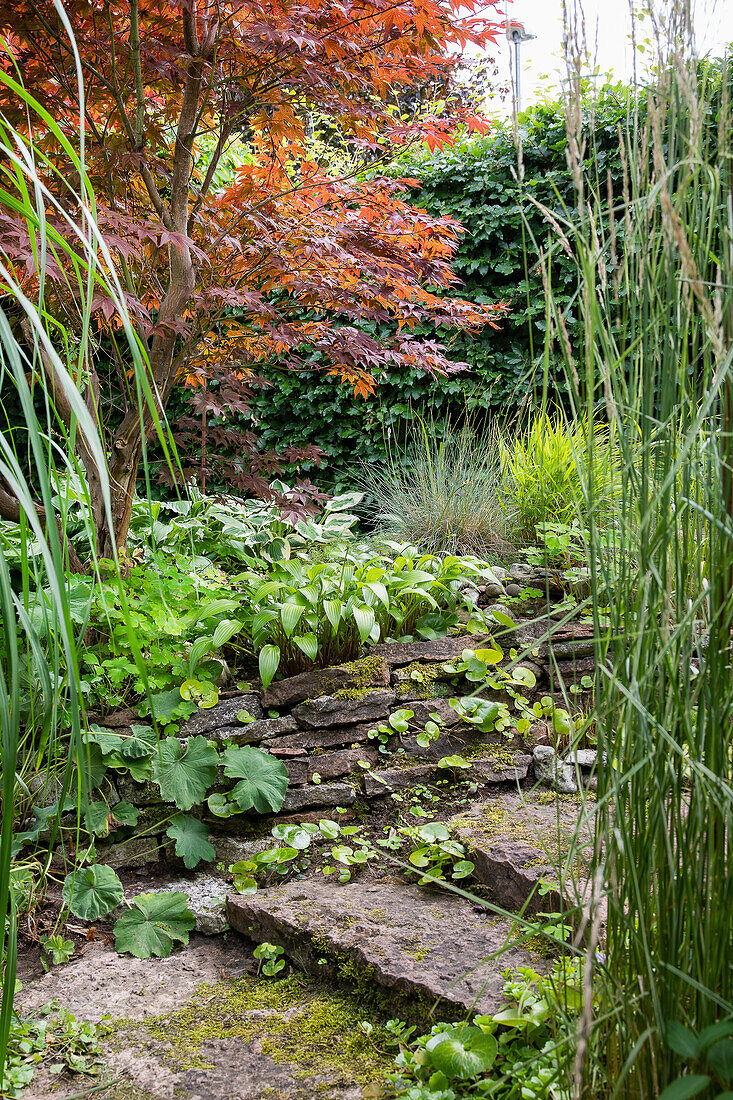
(300, 188)
(137, 68)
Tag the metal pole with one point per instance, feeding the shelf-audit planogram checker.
(517, 68)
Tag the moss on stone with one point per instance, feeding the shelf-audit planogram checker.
(362, 673)
(423, 685)
(313, 1030)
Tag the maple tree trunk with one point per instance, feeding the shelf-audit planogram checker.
(127, 445)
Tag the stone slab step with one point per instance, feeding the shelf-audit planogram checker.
(422, 951)
(519, 840)
(325, 681)
(484, 769)
(396, 654)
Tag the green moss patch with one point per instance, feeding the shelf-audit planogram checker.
(303, 1025)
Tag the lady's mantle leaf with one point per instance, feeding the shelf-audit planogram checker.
(153, 924)
(184, 774)
(264, 779)
(192, 839)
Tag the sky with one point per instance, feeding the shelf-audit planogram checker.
(608, 28)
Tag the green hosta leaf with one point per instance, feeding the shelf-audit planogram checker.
(308, 644)
(200, 648)
(192, 840)
(333, 610)
(153, 924)
(685, 1087)
(290, 615)
(226, 630)
(462, 1053)
(92, 892)
(264, 779)
(260, 622)
(269, 661)
(364, 619)
(184, 774)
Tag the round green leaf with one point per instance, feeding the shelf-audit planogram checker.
(462, 1053)
(92, 892)
(434, 830)
(192, 840)
(153, 924)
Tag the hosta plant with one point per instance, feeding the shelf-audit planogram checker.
(321, 613)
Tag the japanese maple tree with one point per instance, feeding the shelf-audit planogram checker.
(284, 261)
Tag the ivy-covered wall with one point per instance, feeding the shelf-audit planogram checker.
(477, 183)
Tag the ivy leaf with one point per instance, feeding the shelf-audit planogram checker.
(184, 774)
(192, 840)
(264, 779)
(153, 924)
(92, 892)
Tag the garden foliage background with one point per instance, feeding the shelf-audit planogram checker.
(475, 182)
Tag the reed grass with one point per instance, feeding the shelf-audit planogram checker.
(655, 278)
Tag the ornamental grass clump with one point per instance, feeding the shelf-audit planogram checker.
(442, 493)
(546, 473)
